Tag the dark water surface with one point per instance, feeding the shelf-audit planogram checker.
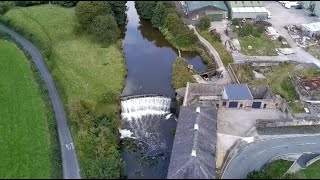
(149, 59)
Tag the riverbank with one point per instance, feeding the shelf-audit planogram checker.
(90, 80)
(28, 109)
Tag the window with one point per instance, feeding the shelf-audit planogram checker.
(224, 103)
(241, 105)
(277, 104)
(217, 105)
(265, 105)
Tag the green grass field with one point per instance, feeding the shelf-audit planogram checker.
(85, 73)
(311, 172)
(76, 59)
(274, 170)
(24, 135)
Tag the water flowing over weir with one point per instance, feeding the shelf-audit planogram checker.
(135, 108)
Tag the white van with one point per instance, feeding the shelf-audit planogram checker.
(269, 14)
(307, 110)
(290, 4)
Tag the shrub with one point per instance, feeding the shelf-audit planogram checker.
(119, 11)
(5, 6)
(236, 22)
(204, 23)
(66, 3)
(104, 29)
(246, 30)
(172, 23)
(145, 9)
(159, 15)
(86, 11)
(181, 74)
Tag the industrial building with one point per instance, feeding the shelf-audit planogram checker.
(216, 10)
(247, 10)
(312, 6)
(311, 29)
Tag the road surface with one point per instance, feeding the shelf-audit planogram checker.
(256, 154)
(69, 157)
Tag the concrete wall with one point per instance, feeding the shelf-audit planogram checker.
(247, 15)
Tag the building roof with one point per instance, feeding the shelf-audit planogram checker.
(195, 5)
(194, 146)
(250, 9)
(313, 27)
(246, 4)
(238, 92)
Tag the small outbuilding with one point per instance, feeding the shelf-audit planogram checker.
(311, 30)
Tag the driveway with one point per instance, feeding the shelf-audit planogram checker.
(69, 157)
(256, 154)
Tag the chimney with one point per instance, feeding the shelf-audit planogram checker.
(198, 110)
(194, 153)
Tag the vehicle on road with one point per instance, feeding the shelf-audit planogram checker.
(307, 110)
(290, 4)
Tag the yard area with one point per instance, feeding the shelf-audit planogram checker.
(90, 79)
(314, 51)
(26, 146)
(261, 46)
(225, 56)
(277, 78)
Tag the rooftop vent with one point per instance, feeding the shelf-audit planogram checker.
(196, 126)
(198, 110)
(194, 153)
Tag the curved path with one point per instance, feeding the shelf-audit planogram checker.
(256, 154)
(69, 158)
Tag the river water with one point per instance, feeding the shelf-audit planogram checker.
(149, 59)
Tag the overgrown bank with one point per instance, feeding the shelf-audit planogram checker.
(181, 74)
(90, 79)
(163, 16)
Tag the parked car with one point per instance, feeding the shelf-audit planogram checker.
(307, 110)
(269, 14)
(290, 4)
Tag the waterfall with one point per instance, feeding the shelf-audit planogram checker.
(143, 118)
(135, 108)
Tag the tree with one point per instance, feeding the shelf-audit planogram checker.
(5, 6)
(204, 23)
(66, 3)
(159, 15)
(172, 23)
(145, 8)
(86, 11)
(119, 11)
(186, 38)
(104, 29)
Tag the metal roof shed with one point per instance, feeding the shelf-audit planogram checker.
(311, 29)
(237, 92)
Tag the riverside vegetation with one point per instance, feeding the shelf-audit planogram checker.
(88, 70)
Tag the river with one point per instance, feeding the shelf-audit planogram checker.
(149, 60)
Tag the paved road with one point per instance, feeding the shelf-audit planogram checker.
(69, 158)
(256, 154)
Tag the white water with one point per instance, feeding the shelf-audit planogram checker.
(138, 107)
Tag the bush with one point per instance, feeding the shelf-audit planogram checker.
(181, 74)
(173, 23)
(66, 3)
(246, 30)
(236, 22)
(86, 11)
(104, 29)
(119, 11)
(159, 15)
(186, 39)
(287, 86)
(5, 6)
(145, 9)
(204, 23)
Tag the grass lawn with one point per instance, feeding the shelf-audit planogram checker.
(225, 56)
(276, 77)
(181, 74)
(314, 51)
(296, 107)
(84, 72)
(274, 170)
(24, 134)
(261, 46)
(311, 172)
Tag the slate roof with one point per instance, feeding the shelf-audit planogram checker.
(195, 5)
(238, 92)
(203, 141)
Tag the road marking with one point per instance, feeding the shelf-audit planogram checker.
(69, 146)
(306, 144)
(279, 146)
(259, 153)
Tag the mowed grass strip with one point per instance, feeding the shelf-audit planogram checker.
(24, 135)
